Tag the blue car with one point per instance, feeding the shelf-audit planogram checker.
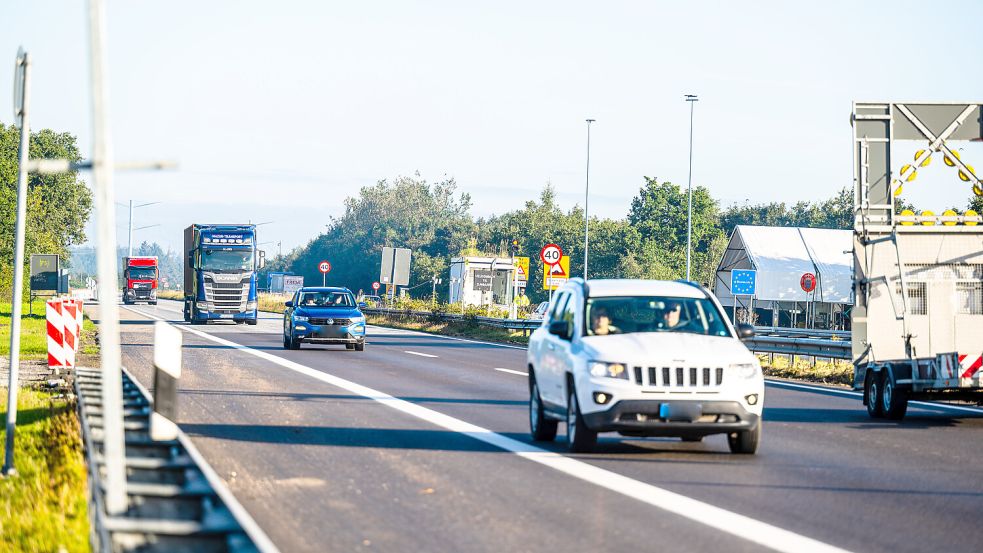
(323, 315)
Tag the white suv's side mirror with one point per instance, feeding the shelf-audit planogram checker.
(561, 328)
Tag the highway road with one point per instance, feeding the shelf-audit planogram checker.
(420, 443)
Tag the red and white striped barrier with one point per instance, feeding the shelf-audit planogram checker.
(64, 323)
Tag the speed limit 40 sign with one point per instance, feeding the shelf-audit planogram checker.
(324, 267)
(550, 254)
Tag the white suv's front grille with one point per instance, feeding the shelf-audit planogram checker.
(679, 377)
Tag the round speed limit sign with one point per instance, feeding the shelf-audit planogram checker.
(375, 285)
(551, 254)
(324, 267)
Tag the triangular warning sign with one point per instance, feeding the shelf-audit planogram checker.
(522, 274)
(557, 270)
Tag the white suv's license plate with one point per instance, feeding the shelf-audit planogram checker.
(683, 412)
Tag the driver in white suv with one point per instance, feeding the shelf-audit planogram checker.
(643, 358)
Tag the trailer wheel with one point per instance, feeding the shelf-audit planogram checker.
(872, 395)
(894, 398)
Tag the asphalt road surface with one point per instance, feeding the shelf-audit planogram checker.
(420, 443)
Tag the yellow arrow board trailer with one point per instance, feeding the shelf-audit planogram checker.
(917, 322)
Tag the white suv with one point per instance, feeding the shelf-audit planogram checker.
(643, 358)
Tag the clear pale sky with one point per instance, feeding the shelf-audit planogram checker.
(276, 111)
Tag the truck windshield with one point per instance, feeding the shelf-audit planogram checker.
(227, 260)
(143, 273)
(623, 315)
(326, 299)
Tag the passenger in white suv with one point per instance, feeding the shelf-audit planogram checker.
(643, 358)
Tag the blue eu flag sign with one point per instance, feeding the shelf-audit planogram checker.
(742, 282)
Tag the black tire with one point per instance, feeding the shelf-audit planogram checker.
(349, 346)
(287, 342)
(153, 303)
(541, 428)
(360, 346)
(252, 322)
(872, 392)
(198, 321)
(745, 442)
(894, 399)
(580, 438)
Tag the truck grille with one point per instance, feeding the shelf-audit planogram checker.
(679, 377)
(324, 321)
(227, 297)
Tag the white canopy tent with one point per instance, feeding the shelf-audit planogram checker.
(781, 256)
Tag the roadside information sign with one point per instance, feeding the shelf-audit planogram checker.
(483, 280)
(555, 275)
(522, 266)
(743, 282)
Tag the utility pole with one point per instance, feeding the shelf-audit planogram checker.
(692, 99)
(102, 176)
(587, 199)
(129, 240)
(22, 91)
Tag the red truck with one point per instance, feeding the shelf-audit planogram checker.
(140, 274)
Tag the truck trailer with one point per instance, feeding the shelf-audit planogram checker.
(140, 280)
(221, 264)
(918, 278)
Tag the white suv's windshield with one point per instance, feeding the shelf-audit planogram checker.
(623, 315)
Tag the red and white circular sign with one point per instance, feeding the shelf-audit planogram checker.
(375, 285)
(550, 254)
(808, 282)
(324, 267)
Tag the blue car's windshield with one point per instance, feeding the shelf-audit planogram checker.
(326, 299)
(227, 260)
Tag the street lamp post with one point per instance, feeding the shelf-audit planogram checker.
(692, 99)
(587, 200)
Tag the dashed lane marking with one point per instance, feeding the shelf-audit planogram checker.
(510, 371)
(420, 354)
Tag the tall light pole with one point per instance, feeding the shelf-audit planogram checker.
(129, 238)
(692, 99)
(587, 199)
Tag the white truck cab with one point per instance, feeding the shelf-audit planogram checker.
(643, 358)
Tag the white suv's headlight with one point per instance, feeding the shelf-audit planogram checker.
(745, 370)
(610, 370)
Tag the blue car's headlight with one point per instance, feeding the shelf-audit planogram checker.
(358, 320)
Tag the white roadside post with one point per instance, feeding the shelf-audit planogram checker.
(102, 177)
(167, 372)
(22, 89)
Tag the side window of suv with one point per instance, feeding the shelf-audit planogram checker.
(558, 304)
(569, 313)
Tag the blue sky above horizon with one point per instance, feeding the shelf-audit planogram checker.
(278, 111)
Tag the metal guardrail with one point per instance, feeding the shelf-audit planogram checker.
(176, 501)
(834, 344)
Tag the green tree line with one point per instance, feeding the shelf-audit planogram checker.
(433, 220)
(58, 206)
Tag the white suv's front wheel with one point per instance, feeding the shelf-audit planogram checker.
(580, 438)
(745, 441)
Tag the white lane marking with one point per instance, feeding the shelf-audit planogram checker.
(726, 521)
(850, 393)
(420, 354)
(510, 371)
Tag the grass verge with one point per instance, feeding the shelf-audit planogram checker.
(837, 372)
(461, 329)
(44, 507)
(34, 333)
